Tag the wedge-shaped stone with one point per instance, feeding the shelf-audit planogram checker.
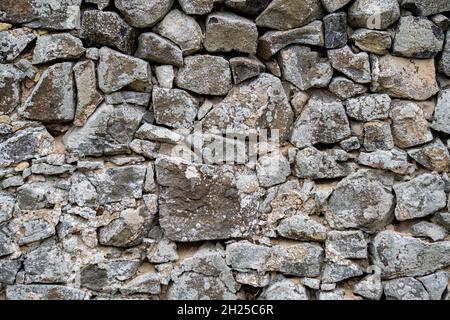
(143, 13)
(356, 66)
(433, 156)
(13, 42)
(155, 48)
(441, 120)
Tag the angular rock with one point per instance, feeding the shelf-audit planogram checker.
(227, 32)
(253, 278)
(8, 243)
(174, 107)
(373, 14)
(284, 290)
(444, 63)
(7, 202)
(109, 29)
(143, 13)
(426, 7)
(129, 97)
(434, 156)
(302, 228)
(323, 120)
(402, 256)
(363, 200)
(273, 41)
(258, 104)
(428, 230)
(52, 99)
(154, 133)
(335, 27)
(378, 136)
(109, 130)
(8, 270)
(10, 91)
(148, 283)
(165, 251)
(243, 68)
(419, 197)
(443, 219)
(82, 192)
(155, 48)
(181, 29)
(372, 41)
(409, 126)
(441, 120)
(43, 292)
(435, 284)
(339, 270)
(39, 195)
(369, 107)
(54, 47)
(250, 7)
(394, 160)
(404, 78)
(355, 66)
(165, 76)
(197, 7)
(304, 68)
(344, 88)
(26, 144)
(346, 244)
(288, 14)
(101, 4)
(13, 42)
(350, 144)
(272, 169)
(405, 289)
(370, 287)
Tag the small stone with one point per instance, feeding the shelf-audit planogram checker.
(253, 278)
(165, 251)
(143, 13)
(302, 228)
(435, 284)
(43, 292)
(345, 88)
(7, 240)
(369, 107)
(335, 26)
(165, 76)
(394, 160)
(350, 207)
(88, 97)
(304, 68)
(116, 70)
(419, 197)
(107, 28)
(441, 120)
(205, 74)
(372, 41)
(288, 14)
(48, 169)
(426, 7)
(272, 169)
(346, 244)
(404, 78)
(350, 144)
(273, 41)
(249, 7)
(285, 289)
(92, 54)
(10, 91)
(243, 68)
(27, 68)
(8, 270)
(154, 133)
(434, 156)
(227, 32)
(101, 4)
(7, 202)
(339, 270)
(197, 7)
(323, 120)
(370, 287)
(39, 195)
(405, 289)
(428, 230)
(174, 107)
(418, 37)
(13, 42)
(373, 14)
(355, 66)
(133, 98)
(146, 148)
(444, 63)
(82, 192)
(443, 219)
(378, 136)
(298, 102)
(441, 21)
(181, 29)
(337, 294)
(409, 126)
(53, 47)
(148, 283)
(155, 48)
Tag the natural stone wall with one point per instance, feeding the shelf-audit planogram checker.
(113, 115)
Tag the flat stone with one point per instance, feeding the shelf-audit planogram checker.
(182, 30)
(101, 4)
(288, 14)
(441, 119)
(265, 94)
(419, 197)
(189, 198)
(302, 228)
(413, 79)
(369, 287)
(143, 13)
(174, 107)
(339, 270)
(8, 243)
(8, 270)
(155, 48)
(428, 230)
(335, 27)
(52, 99)
(243, 68)
(425, 7)
(304, 68)
(148, 283)
(117, 70)
(285, 289)
(10, 91)
(378, 136)
(272, 169)
(405, 289)
(13, 42)
(373, 14)
(356, 66)
(363, 200)
(43, 292)
(369, 107)
(434, 156)
(346, 244)
(226, 31)
(273, 41)
(323, 120)
(109, 29)
(53, 47)
(409, 126)
(418, 37)
(49, 169)
(394, 160)
(205, 74)
(39, 195)
(7, 202)
(435, 284)
(250, 7)
(61, 15)
(109, 130)
(133, 98)
(345, 88)
(154, 133)
(372, 41)
(26, 144)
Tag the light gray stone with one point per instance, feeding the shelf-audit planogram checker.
(405, 289)
(369, 287)
(441, 120)
(435, 284)
(303, 228)
(13, 42)
(356, 66)
(378, 136)
(284, 290)
(60, 46)
(272, 169)
(428, 230)
(426, 7)
(197, 7)
(369, 107)
(345, 88)
(346, 244)
(153, 47)
(433, 156)
(143, 13)
(395, 160)
(373, 14)
(340, 269)
(43, 292)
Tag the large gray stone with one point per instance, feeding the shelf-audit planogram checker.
(302, 228)
(60, 46)
(143, 13)
(405, 289)
(155, 48)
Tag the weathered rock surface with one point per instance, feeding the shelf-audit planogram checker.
(53, 47)
(303, 228)
(372, 41)
(43, 292)
(143, 14)
(344, 88)
(155, 48)
(369, 107)
(10, 91)
(433, 156)
(285, 290)
(441, 118)
(13, 42)
(405, 289)
(426, 7)
(394, 160)
(354, 66)
(243, 68)
(373, 14)
(335, 29)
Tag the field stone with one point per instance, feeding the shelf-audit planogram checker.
(429, 230)
(285, 289)
(13, 42)
(434, 156)
(394, 160)
(6, 206)
(435, 284)
(143, 13)
(302, 228)
(369, 287)
(419, 197)
(340, 269)
(345, 88)
(43, 292)
(335, 28)
(10, 90)
(243, 68)
(8, 243)
(272, 169)
(155, 48)
(249, 7)
(444, 62)
(227, 32)
(378, 136)
(165, 75)
(369, 107)
(53, 47)
(425, 7)
(8, 270)
(373, 14)
(205, 74)
(372, 41)
(197, 7)
(356, 66)
(441, 119)
(405, 289)
(346, 244)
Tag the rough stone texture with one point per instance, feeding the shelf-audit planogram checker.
(335, 28)
(54, 47)
(285, 290)
(428, 230)
(302, 228)
(372, 41)
(10, 91)
(13, 42)
(344, 88)
(243, 68)
(369, 107)
(426, 7)
(405, 289)
(433, 156)
(143, 13)
(155, 48)
(441, 118)
(354, 66)
(373, 14)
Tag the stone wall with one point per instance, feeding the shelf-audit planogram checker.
(106, 192)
